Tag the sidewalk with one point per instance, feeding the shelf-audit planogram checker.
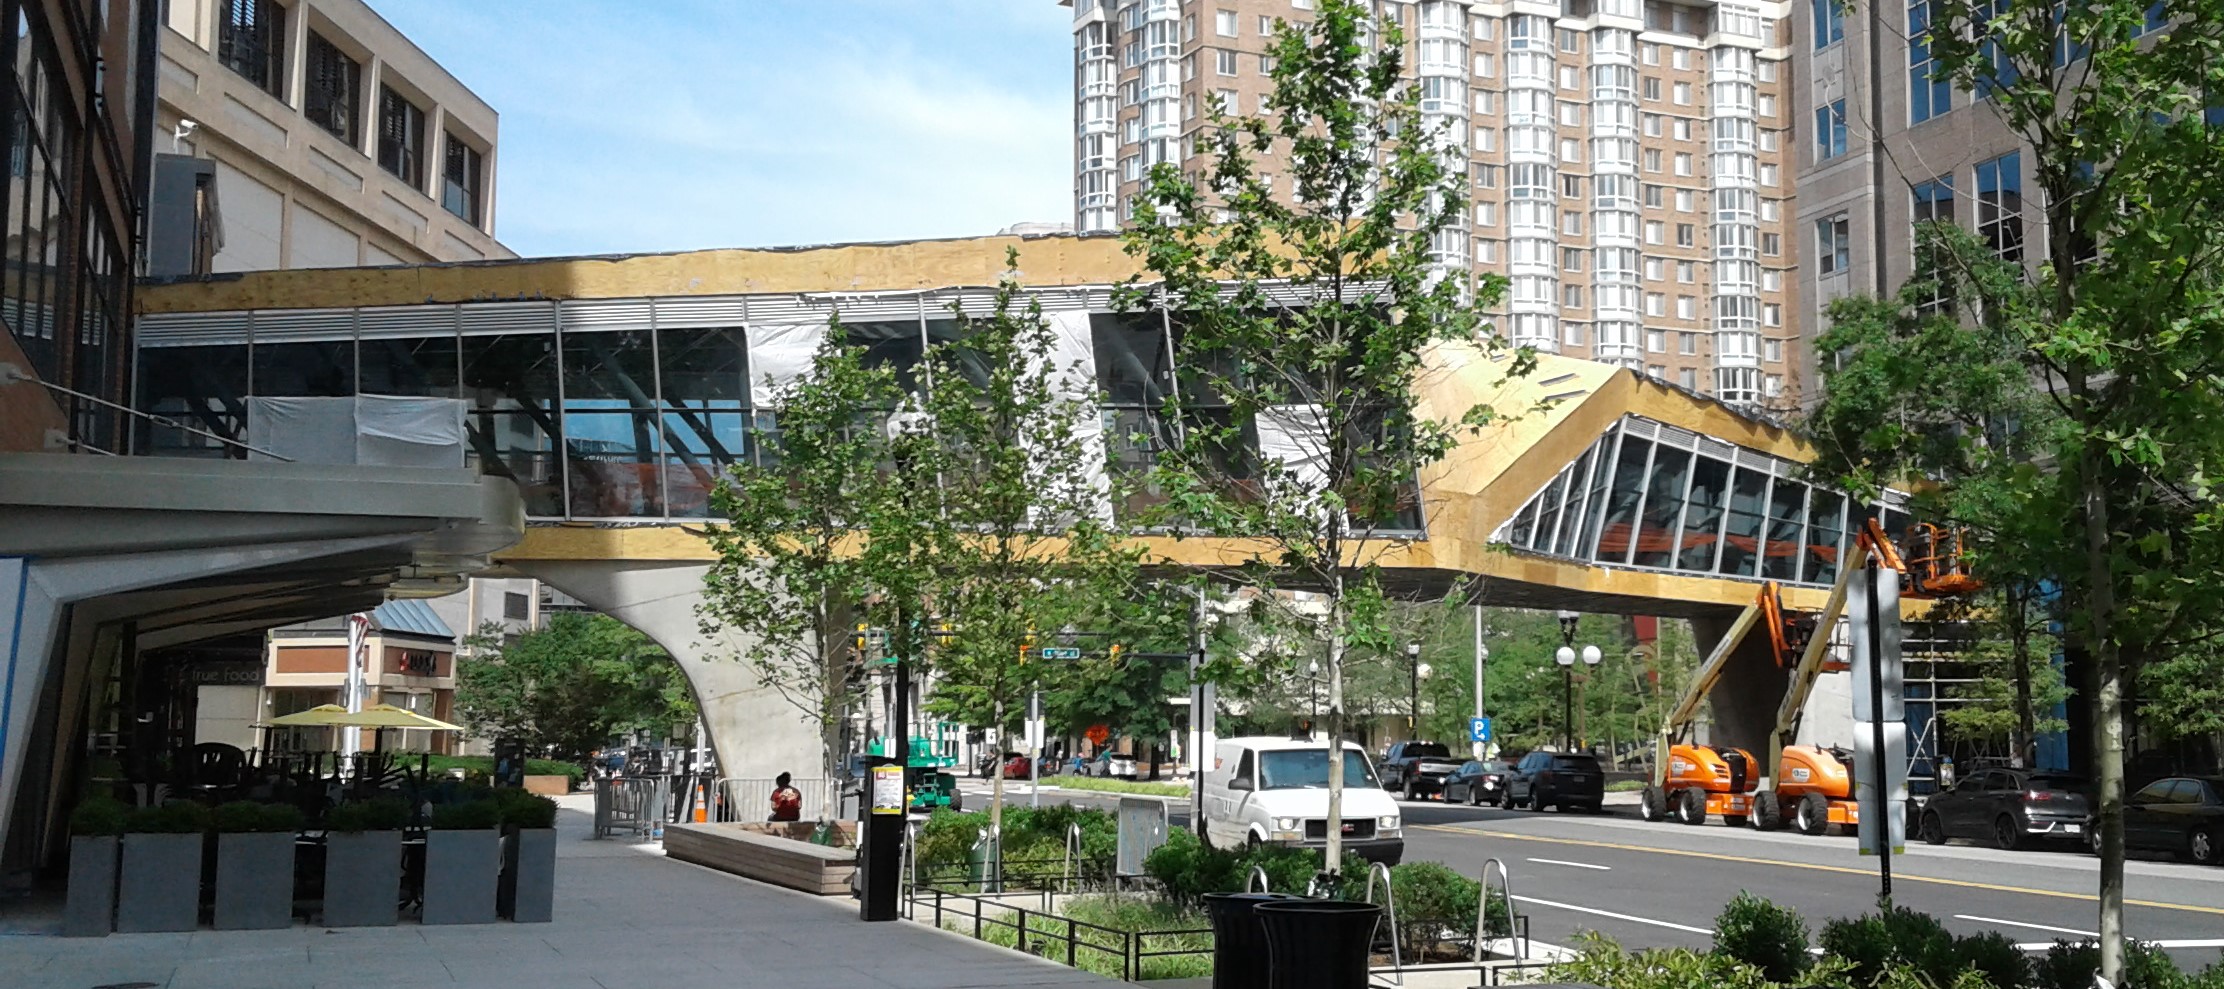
(626, 918)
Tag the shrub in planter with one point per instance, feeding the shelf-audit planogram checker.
(254, 865)
(1433, 901)
(1763, 935)
(159, 885)
(363, 863)
(527, 893)
(463, 863)
(1877, 945)
(2070, 965)
(90, 910)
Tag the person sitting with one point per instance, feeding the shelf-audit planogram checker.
(787, 801)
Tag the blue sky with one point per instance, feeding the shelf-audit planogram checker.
(661, 125)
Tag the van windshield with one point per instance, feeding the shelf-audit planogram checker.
(1297, 769)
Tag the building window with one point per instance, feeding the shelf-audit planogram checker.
(1772, 351)
(1571, 223)
(1652, 159)
(1653, 230)
(515, 607)
(1687, 307)
(1571, 259)
(1224, 22)
(1683, 164)
(1486, 214)
(1688, 378)
(1652, 88)
(332, 84)
(1687, 272)
(1686, 235)
(1830, 25)
(1772, 281)
(1653, 270)
(1830, 130)
(1683, 128)
(1486, 65)
(1266, 26)
(461, 176)
(1656, 341)
(2000, 205)
(1649, 53)
(1687, 344)
(251, 40)
(1929, 92)
(1574, 334)
(1656, 304)
(1833, 245)
(1765, 106)
(1652, 197)
(1680, 58)
(1682, 94)
(1768, 174)
(1571, 296)
(1772, 314)
(1772, 245)
(401, 137)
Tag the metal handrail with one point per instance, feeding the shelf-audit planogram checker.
(1073, 848)
(1390, 909)
(1482, 910)
(1258, 872)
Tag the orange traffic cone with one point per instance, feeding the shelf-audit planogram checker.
(702, 804)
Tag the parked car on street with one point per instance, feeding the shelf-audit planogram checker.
(1112, 765)
(1019, 767)
(2182, 815)
(2007, 807)
(1477, 784)
(1417, 769)
(1558, 779)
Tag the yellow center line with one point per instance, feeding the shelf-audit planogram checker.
(1812, 866)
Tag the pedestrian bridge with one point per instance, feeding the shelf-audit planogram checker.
(613, 390)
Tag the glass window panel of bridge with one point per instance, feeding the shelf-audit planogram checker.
(1571, 516)
(1656, 522)
(704, 378)
(201, 387)
(895, 344)
(613, 450)
(419, 366)
(1702, 515)
(965, 361)
(1594, 496)
(1549, 509)
(521, 446)
(1622, 500)
(1134, 369)
(1741, 530)
(1787, 511)
(1826, 537)
(304, 369)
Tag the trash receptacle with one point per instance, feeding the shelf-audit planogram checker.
(1317, 944)
(1238, 942)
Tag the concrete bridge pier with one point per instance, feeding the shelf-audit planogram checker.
(757, 732)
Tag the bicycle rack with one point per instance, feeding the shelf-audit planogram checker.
(1073, 851)
(1390, 910)
(1482, 911)
(1258, 874)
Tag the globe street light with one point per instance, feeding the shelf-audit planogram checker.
(1566, 656)
(1413, 699)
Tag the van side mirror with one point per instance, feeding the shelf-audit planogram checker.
(1240, 783)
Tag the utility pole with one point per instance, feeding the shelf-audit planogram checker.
(1481, 653)
(1201, 699)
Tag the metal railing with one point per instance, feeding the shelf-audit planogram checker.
(1390, 912)
(1043, 933)
(1482, 911)
(632, 805)
(1258, 875)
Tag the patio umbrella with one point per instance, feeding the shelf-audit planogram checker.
(376, 716)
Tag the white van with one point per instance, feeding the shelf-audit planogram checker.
(1275, 791)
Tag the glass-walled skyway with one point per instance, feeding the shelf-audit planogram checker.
(1654, 497)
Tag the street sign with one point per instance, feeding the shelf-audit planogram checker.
(1061, 652)
(1478, 729)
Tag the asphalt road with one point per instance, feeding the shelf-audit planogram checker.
(1648, 885)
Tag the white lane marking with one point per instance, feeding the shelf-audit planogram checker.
(1617, 916)
(2019, 923)
(1538, 951)
(2198, 942)
(1577, 865)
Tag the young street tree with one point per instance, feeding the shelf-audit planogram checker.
(2115, 335)
(788, 579)
(1022, 470)
(1307, 321)
(571, 687)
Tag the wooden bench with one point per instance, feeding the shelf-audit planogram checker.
(779, 861)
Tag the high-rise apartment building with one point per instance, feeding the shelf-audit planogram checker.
(1629, 160)
(330, 140)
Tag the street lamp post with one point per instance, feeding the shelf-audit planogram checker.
(1413, 699)
(1565, 656)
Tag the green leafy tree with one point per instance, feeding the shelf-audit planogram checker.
(1312, 318)
(788, 580)
(571, 687)
(2114, 334)
(1026, 548)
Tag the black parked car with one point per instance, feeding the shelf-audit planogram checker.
(1559, 779)
(1478, 783)
(1416, 768)
(2182, 815)
(2007, 807)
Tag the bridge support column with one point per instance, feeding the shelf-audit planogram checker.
(757, 733)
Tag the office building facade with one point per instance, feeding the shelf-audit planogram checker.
(1629, 160)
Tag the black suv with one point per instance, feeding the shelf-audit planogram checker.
(1559, 779)
(1416, 768)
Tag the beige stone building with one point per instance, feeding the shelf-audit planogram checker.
(334, 140)
(1630, 159)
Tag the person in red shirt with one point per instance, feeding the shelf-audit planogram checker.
(787, 801)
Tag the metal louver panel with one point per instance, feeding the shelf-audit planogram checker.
(275, 325)
(700, 311)
(389, 322)
(605, 315)
(191, 329)
(487, 318)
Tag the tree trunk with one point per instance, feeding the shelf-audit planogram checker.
(2019, 641)
(1155, 760)
(2108, 714)
(996, 798)
(1333, 855)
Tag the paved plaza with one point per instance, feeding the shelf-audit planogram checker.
(626, 918)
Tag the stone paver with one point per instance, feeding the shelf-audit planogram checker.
(626, 918)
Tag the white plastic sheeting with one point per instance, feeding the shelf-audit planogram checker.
(373, 430)
(778, 354)
(1073, 365)
(1293, 434)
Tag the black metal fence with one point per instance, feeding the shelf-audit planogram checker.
(1044, 933)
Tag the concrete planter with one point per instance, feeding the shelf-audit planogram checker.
(462, 870)
(254, 881)
(159, 887)
(362, 878)
(528, 892)
(91, 908)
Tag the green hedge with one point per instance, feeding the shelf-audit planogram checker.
(483, 765)
(1107, 784)
(1034, 842)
